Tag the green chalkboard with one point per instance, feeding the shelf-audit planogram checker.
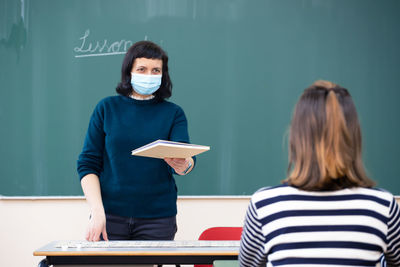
(238, 67)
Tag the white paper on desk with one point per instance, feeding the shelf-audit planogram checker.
(168, 149)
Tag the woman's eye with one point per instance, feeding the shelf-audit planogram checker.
(156, 71)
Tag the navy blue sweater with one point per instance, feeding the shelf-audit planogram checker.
(132, 186)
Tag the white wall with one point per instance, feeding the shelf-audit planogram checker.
(28, 224)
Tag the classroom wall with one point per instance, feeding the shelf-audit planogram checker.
(28, 224)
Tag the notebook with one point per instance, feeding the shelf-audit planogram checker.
(169, 149)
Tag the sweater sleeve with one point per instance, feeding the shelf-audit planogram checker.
(179, 131)
(392, 254)
(91, 158)
(251, 252)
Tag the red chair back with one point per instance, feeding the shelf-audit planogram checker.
(220, 233)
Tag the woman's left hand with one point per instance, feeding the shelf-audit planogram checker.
(180, 165)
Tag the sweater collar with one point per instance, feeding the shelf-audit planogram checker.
(139, 102)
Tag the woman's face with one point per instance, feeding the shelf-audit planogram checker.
(147, 66)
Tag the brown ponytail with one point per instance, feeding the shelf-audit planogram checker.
(334, 152)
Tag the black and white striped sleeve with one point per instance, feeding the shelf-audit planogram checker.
(393, 237)
(252, 242)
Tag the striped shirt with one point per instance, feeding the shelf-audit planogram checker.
(286, 226)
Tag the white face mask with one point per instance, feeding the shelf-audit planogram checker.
(145, 84)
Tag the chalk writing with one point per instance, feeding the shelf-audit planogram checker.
(100, 48)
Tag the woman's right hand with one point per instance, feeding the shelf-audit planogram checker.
(97, 222)
(96, 227)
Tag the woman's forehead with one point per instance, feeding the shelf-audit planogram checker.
(148, 62)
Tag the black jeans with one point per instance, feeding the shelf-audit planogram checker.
(123, 228)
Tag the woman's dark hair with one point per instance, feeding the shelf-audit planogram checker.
(325, 141)
(145, 49)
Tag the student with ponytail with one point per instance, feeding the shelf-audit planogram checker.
(326, 212)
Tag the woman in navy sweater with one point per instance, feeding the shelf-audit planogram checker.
(131, 197)
(327, 212)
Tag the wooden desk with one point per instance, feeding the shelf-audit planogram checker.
(138, 252)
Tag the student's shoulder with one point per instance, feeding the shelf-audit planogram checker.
(269, 189)
(272, 191)
(376, 192)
